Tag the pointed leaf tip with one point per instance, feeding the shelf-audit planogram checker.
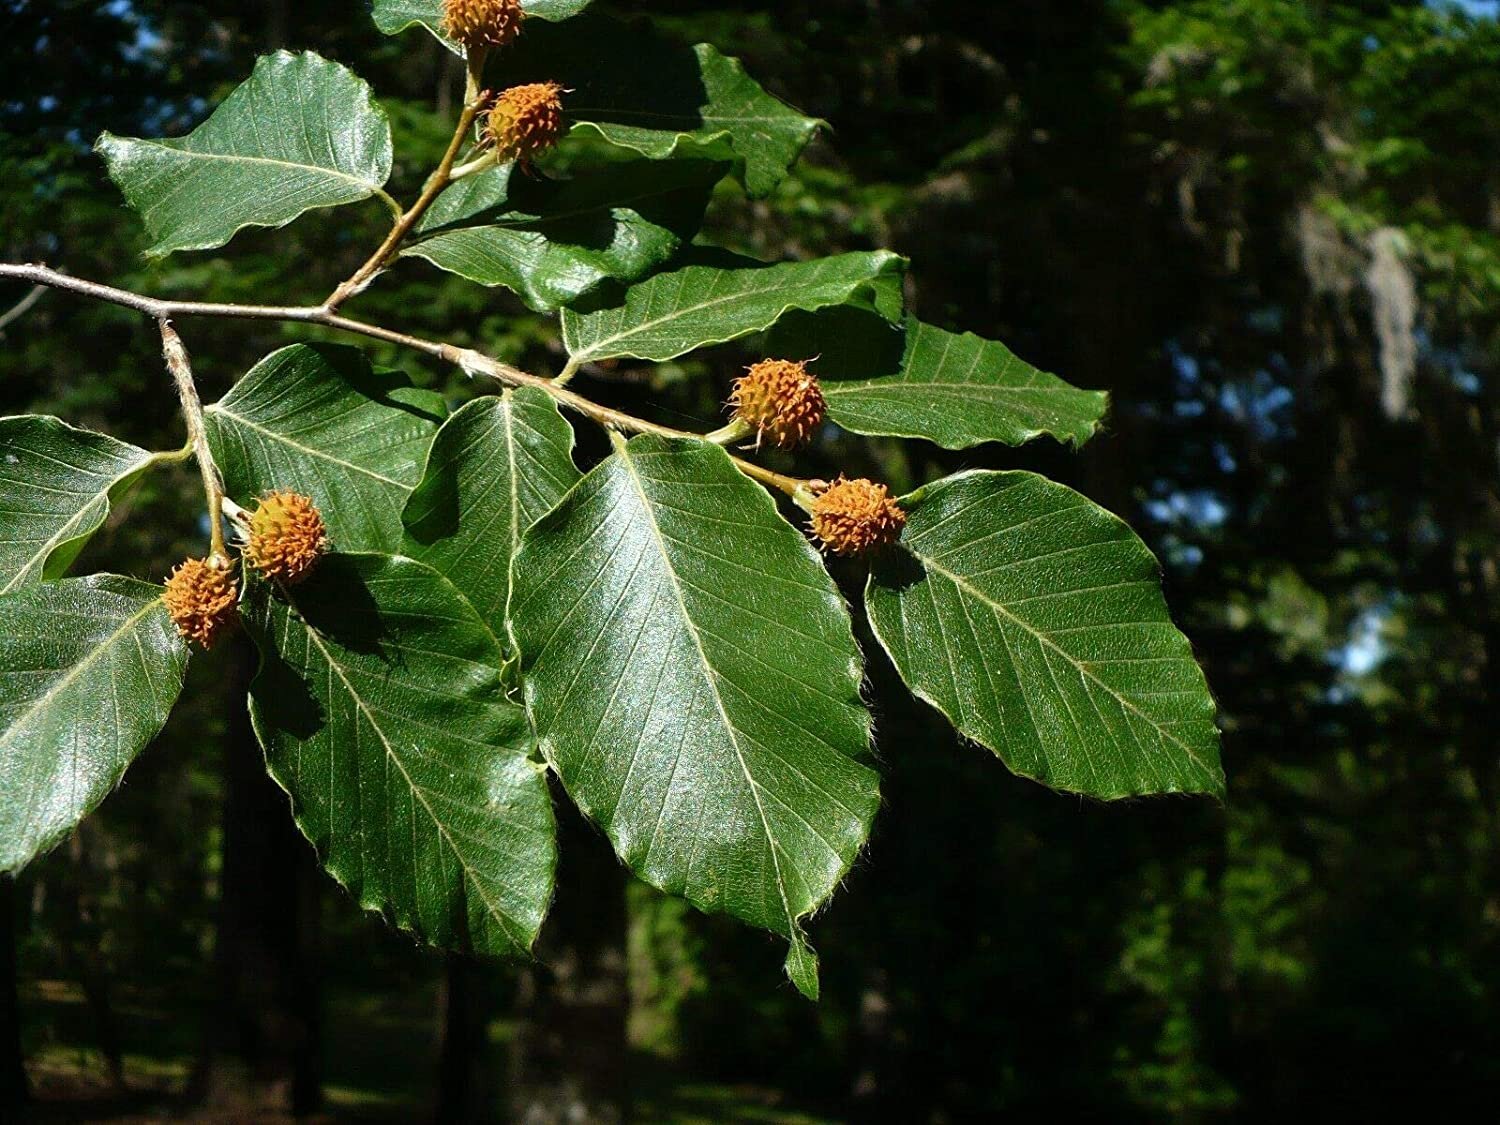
(1035, 621)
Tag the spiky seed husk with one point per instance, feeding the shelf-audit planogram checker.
(781, 400)
(852, 517)
(525, 120)
(482, 23)
(286, 537)
(202, 599)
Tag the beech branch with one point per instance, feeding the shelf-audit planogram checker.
(192, 412)
(442, 176)
(472, 362)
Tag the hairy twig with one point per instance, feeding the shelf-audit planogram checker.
(436, 183)
(192, 412)
(473, 362)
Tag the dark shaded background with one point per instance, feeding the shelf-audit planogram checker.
(1236, 215)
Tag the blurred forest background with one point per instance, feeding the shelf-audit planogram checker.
(1271, 228)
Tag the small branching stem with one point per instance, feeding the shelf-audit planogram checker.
(475, 363)
(21, 307)
(436, 183)
(192, 413)
(737, 429)
(565, 376)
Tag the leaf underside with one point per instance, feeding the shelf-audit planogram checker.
(380, 710)
(301, 132)
(1035, 621)
(394, 16)
(55, 484)
(661, 99)
(553, 242)
(89, 670)
(693, 679)
(317, 419)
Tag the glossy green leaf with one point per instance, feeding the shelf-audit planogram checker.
(553, 242)
(395, 16)
(724, 298)
(317, 419)
(89, 669)
(643, 92)
(379, 706)
(55, 483)
(302, 132)
(692, 676)
(1034, 620)
(496, 467)
(957, 390)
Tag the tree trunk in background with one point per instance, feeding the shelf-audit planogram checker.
(14, 1090)
(82, 942)
(467, 1090)
(262, 1022)
(569, 1060)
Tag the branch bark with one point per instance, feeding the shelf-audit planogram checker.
(472, 362)
(192, 413)
(436, 183)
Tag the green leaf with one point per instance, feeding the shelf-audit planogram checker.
(89, 669)
(55, 484)
(380, 709)
(1034, 620)
(394, 16)
(692, 676)
(302, 132)
(725, 298)
(957, 390)
(554, 242)
(315, 418)
(496, 467)
(641, 91)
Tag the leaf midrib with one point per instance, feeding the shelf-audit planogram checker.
(369, 187)
(221, 409)
(712, 680)
(73, 521)
(77, 670)
(641, 327)
(417, 791)
(1083, 667)
(532, 223)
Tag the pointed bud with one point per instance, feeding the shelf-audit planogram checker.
(781, 400)
(286, 537)
(478, 24)
(525, 120)
(202, 596)
(852, 517)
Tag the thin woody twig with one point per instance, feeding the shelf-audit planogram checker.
(436, 183)
(21, 307)
(192, 412)
(473, 362)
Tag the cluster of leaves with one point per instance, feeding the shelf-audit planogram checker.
(653, 632)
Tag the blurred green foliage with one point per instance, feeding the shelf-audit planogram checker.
(1179, 202)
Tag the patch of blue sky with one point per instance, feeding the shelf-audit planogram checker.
(1200, 508)
(1366, 647)
(1482, 9)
